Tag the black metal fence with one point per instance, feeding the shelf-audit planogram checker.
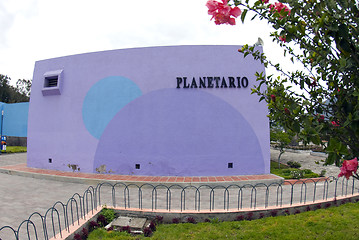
(149, 197)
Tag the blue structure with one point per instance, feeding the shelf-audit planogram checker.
(13, 119)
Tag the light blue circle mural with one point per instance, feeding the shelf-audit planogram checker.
(104, 100)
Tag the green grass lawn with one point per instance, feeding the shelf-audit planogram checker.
(15, 149)
(332, 223)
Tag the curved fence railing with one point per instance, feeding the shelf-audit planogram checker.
(178, 198)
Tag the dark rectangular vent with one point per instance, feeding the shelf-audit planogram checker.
(230, 165)
(51, 81)
(137, 166)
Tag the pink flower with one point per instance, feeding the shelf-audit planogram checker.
(286, 110)
(348, 168)
(282, 38)
(278, 6)
(222, 12)
(335, 124)
(273, 97)
(321, 118)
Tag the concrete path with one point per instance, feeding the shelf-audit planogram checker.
(21, 196)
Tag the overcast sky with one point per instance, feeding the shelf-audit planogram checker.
(33, 30)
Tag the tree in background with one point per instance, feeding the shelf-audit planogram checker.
(321, 37)
(11, 94)
(282, 140)
(24, 87)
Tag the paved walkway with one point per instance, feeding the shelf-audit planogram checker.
(26, 190)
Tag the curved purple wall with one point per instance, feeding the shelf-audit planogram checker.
(168, 111)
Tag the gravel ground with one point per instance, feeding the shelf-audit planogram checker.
(306, 160)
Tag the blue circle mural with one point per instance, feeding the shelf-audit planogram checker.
(104, 100)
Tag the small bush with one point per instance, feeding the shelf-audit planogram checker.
(152, 226)
(77, 236)
(109, 214)
(147, 232)
(240, 218)
(296, 174)
(215, 220)
(207, 220)
(101, 220)
(249, 216)
(85, 233)
(176, 220)
(93, 225)
(327, 205)
(273, 213)
(191, 220)
(293, 164)
(159, 219)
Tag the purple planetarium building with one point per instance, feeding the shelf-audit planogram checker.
(158, 111)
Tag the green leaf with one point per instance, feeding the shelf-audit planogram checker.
(243, 15)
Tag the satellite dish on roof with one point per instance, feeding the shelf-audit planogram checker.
(259, 42)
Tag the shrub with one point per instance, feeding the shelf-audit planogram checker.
(109, 214)
(293, 164)
(93, 225)
(240, 218)
(147, 232)
(214, 220)
(152, 226)
(249, 216)
(101, 220)
(176, 220)
(273, 213)
(191, 220)
(85, 233)
(158, 219)
(77, 236)
(296, 174)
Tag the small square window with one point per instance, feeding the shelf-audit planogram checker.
(230, 165)
(137, 166)
(52, 83)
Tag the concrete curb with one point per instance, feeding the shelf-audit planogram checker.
(91, 181)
